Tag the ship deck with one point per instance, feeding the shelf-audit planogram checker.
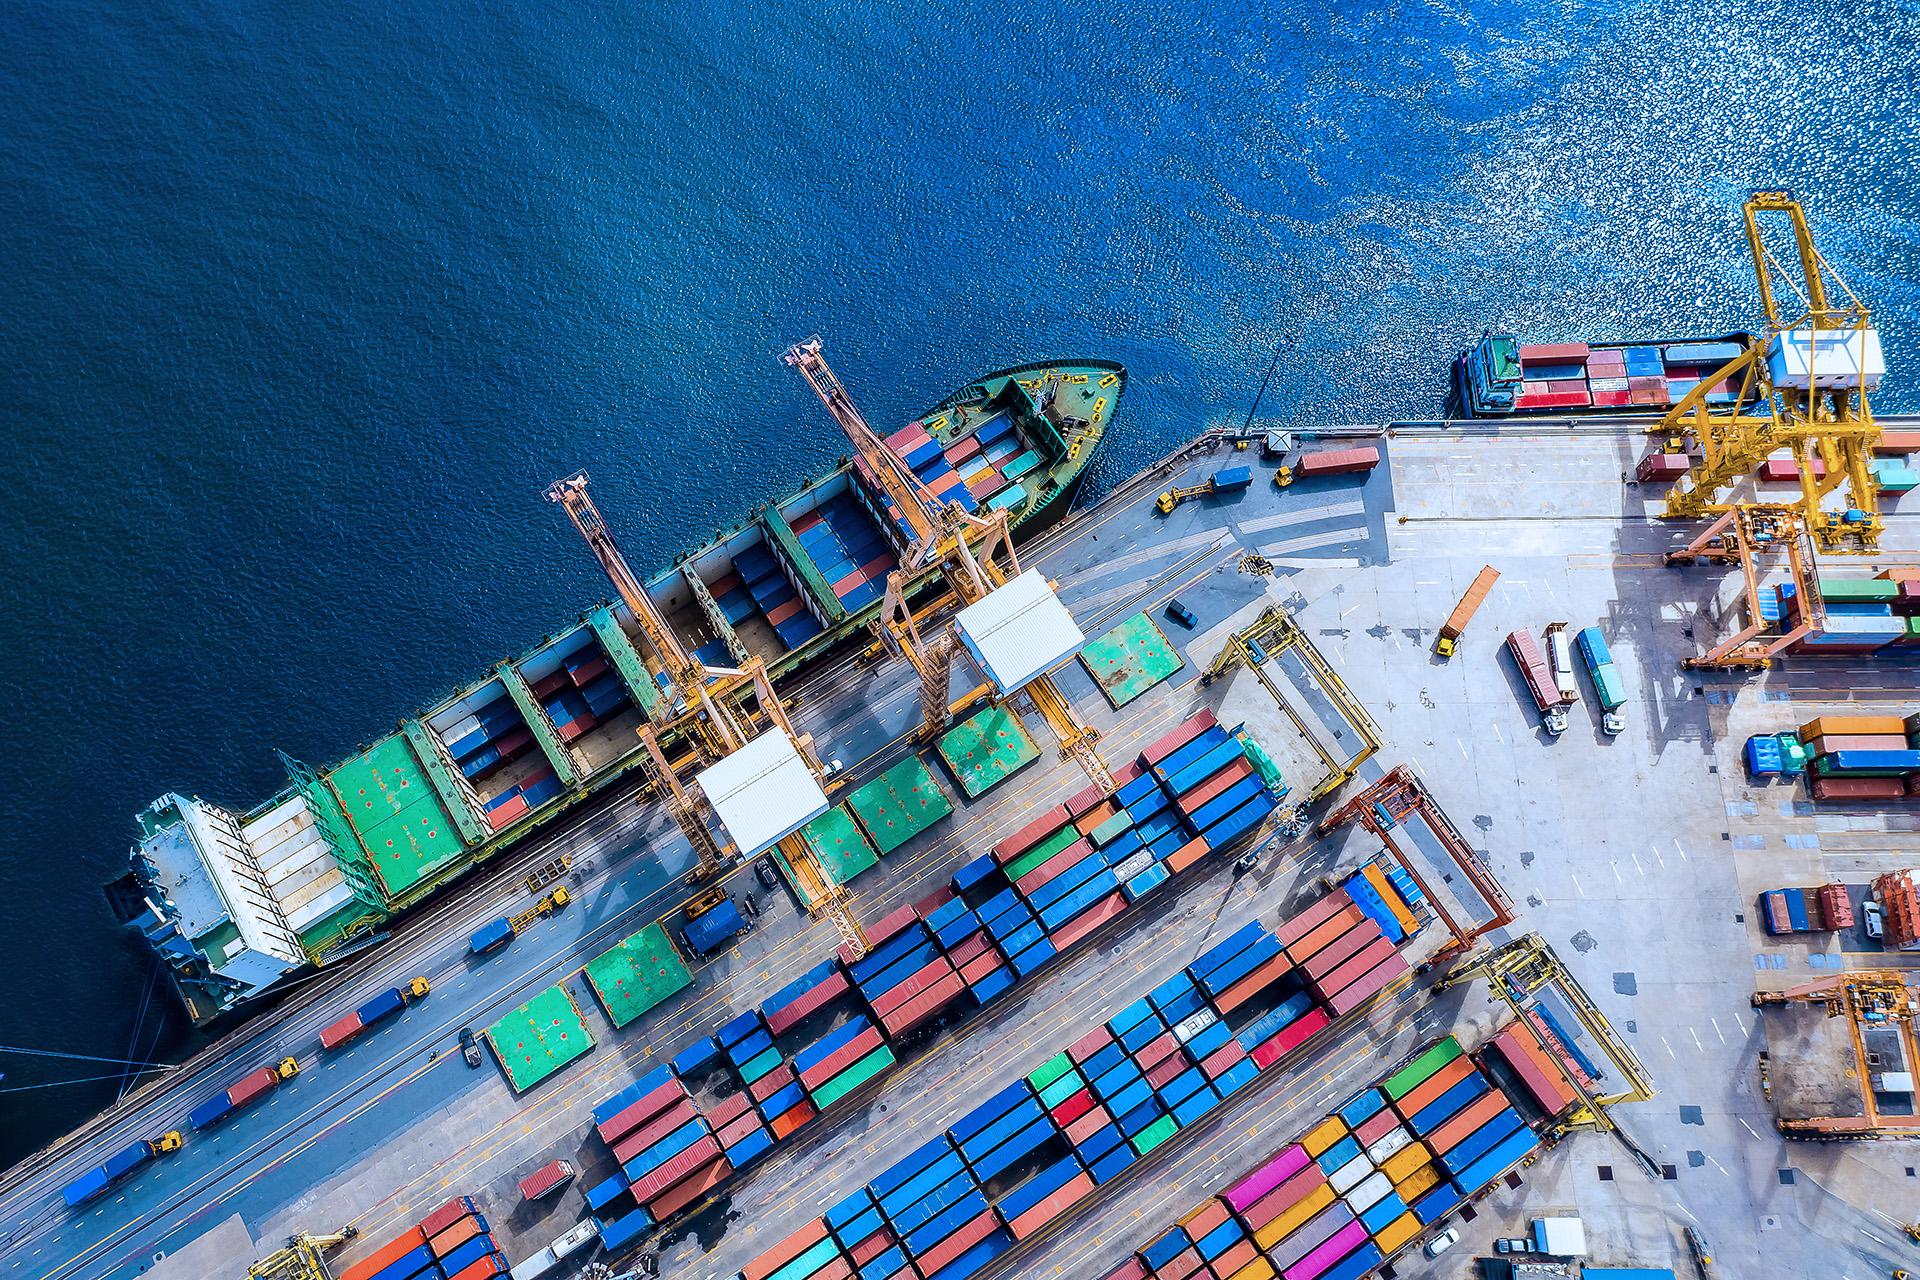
(1649, 902)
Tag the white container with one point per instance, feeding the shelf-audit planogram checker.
(1350, 1175)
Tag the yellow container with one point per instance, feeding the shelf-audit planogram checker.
(1397, 1234)
(1324, 1135)
(1423, 1179)
(1284, 1225)
(1405, 1160)
(1258, 1269)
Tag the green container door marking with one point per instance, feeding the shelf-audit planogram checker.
(838, 844)
(1408, 1078)
(1130, 659)
(637, 974)
(396, 814)
(853, 1077)
(986, 749)
(899, 804)
(530, 711)
(625, 659)
(539, 1038)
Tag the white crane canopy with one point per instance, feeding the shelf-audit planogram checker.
(763, 792)
(1017, 632)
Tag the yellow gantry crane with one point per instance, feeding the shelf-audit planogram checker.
(1864, 997)
(705, 707)
(970, 551)
(1802, 384)
(1755, 536)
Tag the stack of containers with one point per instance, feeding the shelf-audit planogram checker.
(848, 548)
(1860, 757)
(772, 1089)
(938, 467)
(1646, 377)
(583, 692)
(1856, 626)
(962, 933)
(1520, 1051)
(668, 1152)
(1360, 1186)
(906, 979)
(453, 1242)
(483, 740)
(1347, 958)
(839, 1062)
(1607, 377)
(1553, 376)
(805, 996)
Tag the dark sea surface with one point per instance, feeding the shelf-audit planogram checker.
(303, 305)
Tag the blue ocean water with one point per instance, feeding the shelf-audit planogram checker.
(305, 303)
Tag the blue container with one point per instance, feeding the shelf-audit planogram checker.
(979, 870)
(1184, 1086)
(903, 1169)
(1033, 957)
(1146, 882)
(756, 1043)
(85, 1187)
(1122, 847)
(1112, 1164)
(1436, 1113)
(1209, 763)
(1241, 821)
(1437, 1204)
(1189, 752)
(1203, 1101)
(1382, 1213)
(1797, 910)
(922, 1184)
(885, 1266)
(468, 1254)
(1361, 1106)
(948, 1202)
(993, 985)
(1220, 1239)
(1037, 1188)
(1150, 806)
(1138, 1038)
(1099, 1143)
(1845, 761)
(664, 1150)
(1250, 956)
(1238, 1076)
(783, 1100)
(1228, 479)
(1014, 1150)
(1141, 787)
(412, 1264)
(734, 1030)
(384, 1005)
(1222, 953)
(1482, 1140)
(212, 1111)
(993, 1109)
(621, 1232)
(602, 1194)
(916, 959)
(1356, 1264)
(914, 935)
(823, 1048)
(697, 1056)
(126, 1160)
(1214, 1035)
(1180, 1007)
(1504, 1156)
(1018, 940)
(1165, 1249)
(847, 1210)
(711, 930)
(1340, 1153)
(496, 933)
(975, 1259)
(1132, 1122)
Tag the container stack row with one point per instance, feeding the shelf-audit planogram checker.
(1878, 615)
(938, 466)
(1794, 910)
(1519, 1049)
(453, 1242)
(1360, 1186)
(585, 691)
(1045, 889)
(758, 585)
(1862, 757)
(1346, 953)
(483, 740)
(1576, 375)
(1022, 1159)
(849, 549)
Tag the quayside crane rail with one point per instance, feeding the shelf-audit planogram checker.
(1820, 412)
(969, 549)
(1864, 997)
(708, 720)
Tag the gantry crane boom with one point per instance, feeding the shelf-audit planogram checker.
(1820, 413)
(917, 505)
(965, 547)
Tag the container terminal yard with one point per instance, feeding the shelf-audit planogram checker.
(1339, 850)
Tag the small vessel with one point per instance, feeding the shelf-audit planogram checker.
(236, 901)
(1500, 376)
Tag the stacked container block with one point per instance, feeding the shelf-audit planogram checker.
(454, 1242)
(1027, 1155)
(851, 551)
(583, 692)
(1358, 1187)
(1575, 375)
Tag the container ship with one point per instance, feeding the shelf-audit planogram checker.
(1501, 377)
(235, 902)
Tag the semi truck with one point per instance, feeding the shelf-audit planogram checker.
(712, 923)
(95, 1182)
(1469, 604)
(378, 1009)
(242, 1093)
(1539, 680)
(1225, 480)
(498, 933)
(1608, 689)
(1560, 659)
(1787, 911)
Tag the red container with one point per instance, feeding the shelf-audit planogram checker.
(702, 1181)
(1550, 400)
(1290, 1037)
(1237, 1255)
(1216, 1063)
(1213, 786)
(910, 986)
(1187, 854)
(639, 1139)
(252, 1087)
(1128, 772)
(1568, 385)
(1662, 466)
(1177, 737)
(482, 1269)
(980, 966)
(731, 1107)
(1317, 913)
(1326, 933)
(1075, 1189)
(1088, 800)
(1031, 834)
(923, 1006)
(1253, 984)
(873, 1246)
(1858, 788)
(1459, 1128)
(1072, 1107)
(891, 925)
(1088, 1045)
(1369, 985)
(964, 1237)
(338, 1033)
(445, 1241)
(1376, 1126)
(1087, 1125)
(814, 999)
(840, 1059)
(1323, 962)
(784, 1125)
(1612, 399)
(388, 1254)
(677, 1169)
(969, 947)
(738, 1130)
(1052, 867)
(446, 1215)
(1167, 1072)
(1282, 1198)
(1894, 443)
(1836, 908)
(1211, 1213)
(1331, 462)
(771, 1083)
(1131, 1269)
(1157, 1051)
(1555, 353)
(799, 1242)
(1433, 1086)
(1108, 908)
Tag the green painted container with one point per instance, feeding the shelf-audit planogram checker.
(1050, 1070)
(1041, 852)
(853, 1077)
(1155, 1134)
(759, 1065)
(1859, 590)
(1109, 831)
(1060, 1090)
(1408, 1078)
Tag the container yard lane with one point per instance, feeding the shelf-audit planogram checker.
(350, 1105)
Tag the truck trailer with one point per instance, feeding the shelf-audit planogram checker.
(1469, 604)
(1539, 680)
(378, 1009)
(242, 1093)
(95, 1182)
(1608, 689)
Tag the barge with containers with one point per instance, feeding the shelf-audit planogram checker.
(1501, 376)
(236, 901)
